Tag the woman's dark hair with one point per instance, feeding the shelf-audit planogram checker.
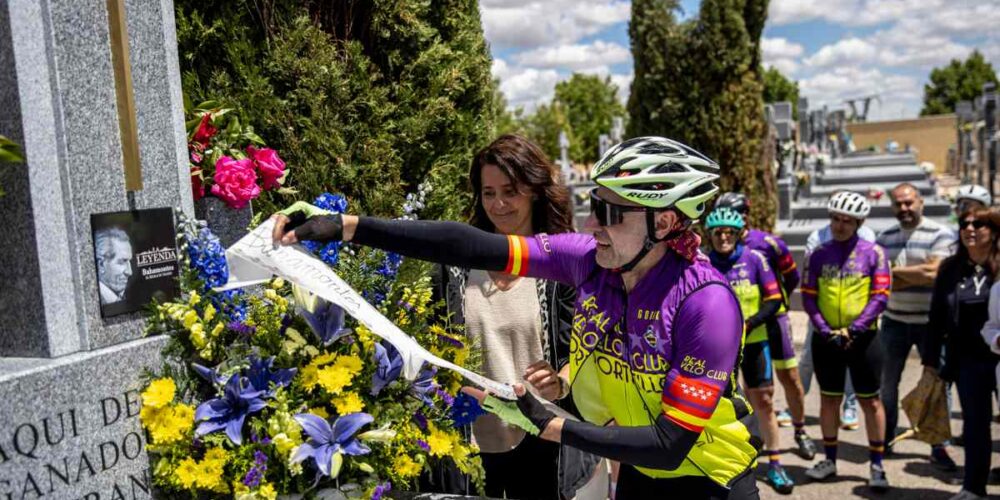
(524, 163)
(992, 219)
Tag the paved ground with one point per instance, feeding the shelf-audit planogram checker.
(909, 471)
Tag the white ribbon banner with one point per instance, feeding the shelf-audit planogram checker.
(254, 259)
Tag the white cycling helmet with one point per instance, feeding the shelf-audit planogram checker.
(659, 173)
(850, 204)
(974, 192)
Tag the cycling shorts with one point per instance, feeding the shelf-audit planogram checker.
(779, 336)
(756, 365)
(863, 358)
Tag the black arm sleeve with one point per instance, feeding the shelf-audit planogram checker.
(767, 311)
(663, 445)
(938, 324)
(448, 243)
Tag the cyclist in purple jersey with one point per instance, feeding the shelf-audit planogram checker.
(779, 329)
(757, 289)
(656, 361)
(845, 290)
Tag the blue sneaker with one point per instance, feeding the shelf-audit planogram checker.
(779, 480)
(849, 418)
(784, 418)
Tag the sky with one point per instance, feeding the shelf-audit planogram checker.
(835, 49)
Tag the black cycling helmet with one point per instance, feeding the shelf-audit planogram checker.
(734, 201)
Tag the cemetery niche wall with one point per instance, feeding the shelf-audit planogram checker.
(91, 90)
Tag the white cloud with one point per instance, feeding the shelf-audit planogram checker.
(575, 57)
(624, 84)
(847, 51)
(782, 54)
(526, 23)
(899, 95)
(525, 87)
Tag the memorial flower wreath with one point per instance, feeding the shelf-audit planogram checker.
(274, 392)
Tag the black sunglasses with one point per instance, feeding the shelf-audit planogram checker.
(609, 214)
(976, 224)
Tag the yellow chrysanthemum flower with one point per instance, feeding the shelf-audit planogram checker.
(351, 363)
(267, 492)
(405, 467)
(186, 473)
(159, 393)
(440, 442)
(334, 378)
(348, 403)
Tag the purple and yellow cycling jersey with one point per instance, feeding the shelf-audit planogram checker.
(846, 285)
(753, 281)
(669, 346)
(778, 256)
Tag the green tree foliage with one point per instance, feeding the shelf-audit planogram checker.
(707, 90)
(590, 103)
(364, 98)
(651, 30)
(778, 88)
(958, 81)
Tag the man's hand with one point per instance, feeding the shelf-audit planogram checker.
(545, 380)
(840, 338)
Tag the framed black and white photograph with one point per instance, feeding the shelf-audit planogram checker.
(135, 256)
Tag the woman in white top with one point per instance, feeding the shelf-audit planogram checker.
(521, 325)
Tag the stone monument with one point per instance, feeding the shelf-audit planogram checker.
(91, 90)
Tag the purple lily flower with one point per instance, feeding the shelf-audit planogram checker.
(327, 321)
(389, 363)
(209, 374)
(230, 411)
(423, 387)
(326, 440)
(381, 490)
(261, 377)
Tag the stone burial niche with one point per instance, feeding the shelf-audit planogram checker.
(90, 89)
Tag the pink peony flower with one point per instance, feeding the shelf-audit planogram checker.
(271, 167)
(235, 181)
(205, 130)
(197, 186)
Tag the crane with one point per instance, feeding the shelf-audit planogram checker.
(861, 117)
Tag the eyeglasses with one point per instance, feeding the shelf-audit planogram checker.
(609, 214)
(720, 232)
(976, 224)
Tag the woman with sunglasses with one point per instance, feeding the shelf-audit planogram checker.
(759, 293)
(959, 310)
(657, 330)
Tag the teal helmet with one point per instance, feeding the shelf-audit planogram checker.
(724, 217)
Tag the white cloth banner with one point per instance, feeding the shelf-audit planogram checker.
(254, 259)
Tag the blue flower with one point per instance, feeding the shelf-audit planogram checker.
(388, 365)
(261, 377)
(209, 374)
(465, 410)
(208, 258)
(332, 202)
(327, 444)
(230, 411)
(327, 321)
(423, 387)
(381, 489)
(330, 253)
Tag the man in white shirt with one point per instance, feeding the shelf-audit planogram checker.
(915, 247)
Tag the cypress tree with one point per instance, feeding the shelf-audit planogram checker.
(712, 96)
(650, 30)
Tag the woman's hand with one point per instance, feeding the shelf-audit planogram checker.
(545, 379)
(303, 221)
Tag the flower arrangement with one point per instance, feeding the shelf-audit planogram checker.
(230, 162)
(276, 392)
